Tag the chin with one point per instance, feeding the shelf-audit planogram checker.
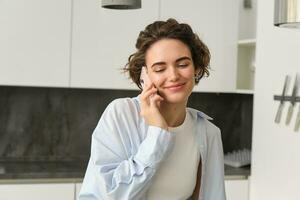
(176, 98)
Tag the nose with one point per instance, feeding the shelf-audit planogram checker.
(173, 74)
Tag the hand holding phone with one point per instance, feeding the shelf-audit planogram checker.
(150, 102)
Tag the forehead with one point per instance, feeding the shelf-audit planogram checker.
(167, 50)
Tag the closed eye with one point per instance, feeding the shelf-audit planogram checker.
(183, 64)
(159, 69)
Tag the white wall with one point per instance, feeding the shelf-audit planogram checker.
(276, 147)
(247, 20)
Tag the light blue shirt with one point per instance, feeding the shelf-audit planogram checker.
(126, 153)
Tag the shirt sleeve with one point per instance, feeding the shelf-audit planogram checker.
(113, 171)
(214, 186)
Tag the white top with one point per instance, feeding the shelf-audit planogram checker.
(177, 173)
(126, 154)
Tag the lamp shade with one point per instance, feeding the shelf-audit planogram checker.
(121, 4)
(287, 13)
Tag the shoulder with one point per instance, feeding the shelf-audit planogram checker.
(212, 129)
(123, 106)
(121, 114)
(122, 103)
(203, 119)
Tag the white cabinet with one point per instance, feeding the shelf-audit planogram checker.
(79, 44)
(62, 191)
(216, 22)
(237, 189)
(35, 42)
(102, 41)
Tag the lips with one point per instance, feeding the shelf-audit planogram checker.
(175, 87)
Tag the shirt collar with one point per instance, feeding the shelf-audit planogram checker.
(200, 114)
(205, 116)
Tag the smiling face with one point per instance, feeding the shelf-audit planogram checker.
(171, 69)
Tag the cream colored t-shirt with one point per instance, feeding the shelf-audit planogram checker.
(177, 175)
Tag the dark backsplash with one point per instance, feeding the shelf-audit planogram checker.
(56, 123)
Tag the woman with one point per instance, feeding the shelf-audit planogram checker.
(153, 146)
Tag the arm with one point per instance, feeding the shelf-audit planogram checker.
(114, 174)
(213, 180)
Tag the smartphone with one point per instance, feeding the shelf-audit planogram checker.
(144, 78)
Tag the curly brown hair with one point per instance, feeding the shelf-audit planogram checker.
(169, 29)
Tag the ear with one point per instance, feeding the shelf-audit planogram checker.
(197, 71)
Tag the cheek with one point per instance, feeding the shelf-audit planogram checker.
(189, 74)
(157, 80)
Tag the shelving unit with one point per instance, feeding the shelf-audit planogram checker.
(248, 91)
(246, 46)
(246, 64)
(247, 42)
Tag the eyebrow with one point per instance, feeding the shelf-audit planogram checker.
(177, 60)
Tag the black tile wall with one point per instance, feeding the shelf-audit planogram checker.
(57, 123)
(232, 113)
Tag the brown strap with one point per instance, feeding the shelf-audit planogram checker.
(196, 193)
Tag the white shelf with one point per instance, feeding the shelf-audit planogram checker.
(241, 91)
(247, 42)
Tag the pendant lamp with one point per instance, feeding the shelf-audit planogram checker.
(287, 13)
(121, 4)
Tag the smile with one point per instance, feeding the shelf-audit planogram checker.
(175, 87)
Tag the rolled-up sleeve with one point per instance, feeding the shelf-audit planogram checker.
(113, 171)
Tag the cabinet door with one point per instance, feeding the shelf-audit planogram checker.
(35, 42)
(237, 189)
(102, 41)
(37, 191)
(216, 23)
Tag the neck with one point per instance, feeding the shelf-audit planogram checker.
(174, 114)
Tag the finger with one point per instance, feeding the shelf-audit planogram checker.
(147, 93)
(146, 96)
(158, 102)
(155, 100)
(146, 88)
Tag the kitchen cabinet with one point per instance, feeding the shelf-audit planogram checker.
(78, 44)
(102, 40)
(57, 191)
(216, 23)
(237, 189)
(35, 42)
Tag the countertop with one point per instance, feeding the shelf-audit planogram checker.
(70, 171)
(38, 170)
(236, 173)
